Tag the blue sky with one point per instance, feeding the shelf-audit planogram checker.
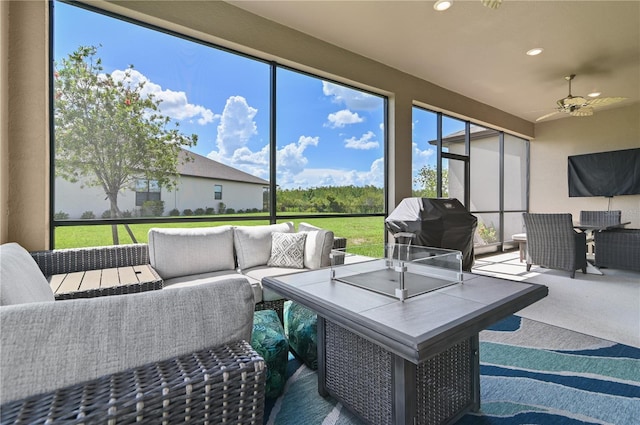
(327, 134)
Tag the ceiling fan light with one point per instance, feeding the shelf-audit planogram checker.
(442, 5)
(492, 4)
(594, 94)
(535, 51)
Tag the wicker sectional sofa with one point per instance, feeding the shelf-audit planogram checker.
(618, 249)
(195, 256)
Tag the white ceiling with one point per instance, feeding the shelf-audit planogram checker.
(479, 52)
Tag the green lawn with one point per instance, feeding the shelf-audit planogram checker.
(358, 231)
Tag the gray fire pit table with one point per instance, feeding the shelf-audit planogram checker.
(402, 361)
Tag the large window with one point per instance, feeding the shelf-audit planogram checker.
(144, 117)
(147, 190)
(487, 170)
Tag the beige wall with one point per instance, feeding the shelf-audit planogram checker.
(606, 130)
(25, 123)
(4, 116)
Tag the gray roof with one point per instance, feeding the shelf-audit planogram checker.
(458, 136)
(201, 166)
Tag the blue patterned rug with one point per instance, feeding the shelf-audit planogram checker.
(531, 373)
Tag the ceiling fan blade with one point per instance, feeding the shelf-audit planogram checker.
(547, 116)
(602, 101)
(582, 112)
(492, 4)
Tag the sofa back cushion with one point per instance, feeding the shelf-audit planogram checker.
(21, 280)
(186, 251)
(253, 243)
(318, 246)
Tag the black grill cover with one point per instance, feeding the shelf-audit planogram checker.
(440, 223)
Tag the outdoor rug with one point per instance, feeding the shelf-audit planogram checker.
(531, 373)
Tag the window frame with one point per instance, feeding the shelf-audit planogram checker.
(273, 216)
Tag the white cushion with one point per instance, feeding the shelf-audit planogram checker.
(179, 252)
(21, 280)
(318, 246)
(211, 278)
(258, 273)
(253, 243)
(287, 250)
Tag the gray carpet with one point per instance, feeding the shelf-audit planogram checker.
(606, 306)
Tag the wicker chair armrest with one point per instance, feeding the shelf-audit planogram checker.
(339, 242)
(60, 261)
(221, 384)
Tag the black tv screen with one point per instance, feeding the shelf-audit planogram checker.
(605, 173)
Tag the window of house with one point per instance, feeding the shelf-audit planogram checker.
(185, 113)
(147, 190)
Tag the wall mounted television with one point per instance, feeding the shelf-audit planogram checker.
(607, 174)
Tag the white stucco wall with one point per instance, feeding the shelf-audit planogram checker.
(192, 192)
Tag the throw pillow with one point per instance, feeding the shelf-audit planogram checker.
(287, 250)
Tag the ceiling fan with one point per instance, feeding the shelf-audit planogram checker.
(579, 106)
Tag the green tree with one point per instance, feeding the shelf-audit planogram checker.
(428, 180)
(109, 132)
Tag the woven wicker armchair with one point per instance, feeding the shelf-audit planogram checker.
(618, 249)
(179, 356)
(552, 242)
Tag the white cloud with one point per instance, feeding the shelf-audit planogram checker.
(236, 125)
(363, 143)
(341, 118)
(354, 99)
(290, 159)
(420, 157)
(315, 177)
(173, 103)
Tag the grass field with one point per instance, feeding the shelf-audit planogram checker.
(358, 231)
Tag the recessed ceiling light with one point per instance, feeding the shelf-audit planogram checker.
(442, 5)
(594, 94)
(535, 51)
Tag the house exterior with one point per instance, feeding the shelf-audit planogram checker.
(202, 183)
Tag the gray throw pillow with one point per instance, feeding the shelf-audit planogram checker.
(287, 250)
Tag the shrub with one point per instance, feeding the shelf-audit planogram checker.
(188, 211)
(152, 208)
(126, 214)
(106, 214)
(487, 233)
(210, 211)
(199, 211)
(230, 211)
(60, 215)
(88, 215)
(174, 212)
(222, 208)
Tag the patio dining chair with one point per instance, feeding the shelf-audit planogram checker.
(601, 218)
(553, 243)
